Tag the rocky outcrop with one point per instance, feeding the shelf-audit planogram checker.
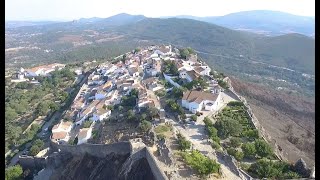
(301, 167)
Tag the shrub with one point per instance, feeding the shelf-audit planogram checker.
(228, 127)
(215, 145)
(248, 149)
(238, 155)
(212, 131)
(184, 144)
(251, 134)
(161, 136)
(87, 124)
(235, 142)
(145, 126)
(235, 103)
(215, 139)
(14, 173)
(194, 118)
(202, 164)
(207, 121)
(264, 168)
(263, 149)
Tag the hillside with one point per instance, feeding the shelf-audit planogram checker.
(281, 50)
(263, 21)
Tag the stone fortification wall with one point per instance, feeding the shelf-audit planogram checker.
(98, 150)
(156, 170)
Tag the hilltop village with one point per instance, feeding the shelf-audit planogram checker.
(185, 113)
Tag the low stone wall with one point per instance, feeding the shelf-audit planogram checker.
(30, 162)
(98, 150)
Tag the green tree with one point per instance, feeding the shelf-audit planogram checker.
(228, 127)
(145, 126)
(184, 144)
(42, 109)
(120, 108)
(248, 149)
(152, 111)
(53, 106)
(38, 143)
(207, 121)
(110, 107)
(264, 169)
(177, 92)
(10, 114)
(194, 117)
(14, 173)
(34, 150)
(202, 164)
(263, 148)
(235, 153)
(212, 131)
(131, 115)
(235, 142)
(215, 145)
(251, 134)
(87, 124)
(143, 116)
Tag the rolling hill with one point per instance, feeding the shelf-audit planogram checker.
(291, 51)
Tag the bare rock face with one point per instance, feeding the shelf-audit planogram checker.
(302, 168)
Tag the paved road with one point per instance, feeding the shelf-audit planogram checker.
(55, 116)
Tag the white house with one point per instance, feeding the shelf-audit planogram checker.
(101, 114)
(195, 101)
(133, 71)
(60, 132)
(86, 112)
(62, 126)
(188, 75)
(43, 70)
(202, 70)
(83, 135)
(60, 137)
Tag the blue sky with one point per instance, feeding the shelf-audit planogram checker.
(75, 9)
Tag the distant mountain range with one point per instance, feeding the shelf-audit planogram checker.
(263, 22)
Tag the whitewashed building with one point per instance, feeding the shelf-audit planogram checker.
(83, 135)
(196, 101)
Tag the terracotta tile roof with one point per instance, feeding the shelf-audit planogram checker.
(89, 108)
(199, 69)
(149, 80)
(83, 133)
(78, 103)
(46, 67)
(101, 111)
(59, 135)
(198, 96)
(193, 74)
(100, 104)
(107, 85)
(64, 126)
